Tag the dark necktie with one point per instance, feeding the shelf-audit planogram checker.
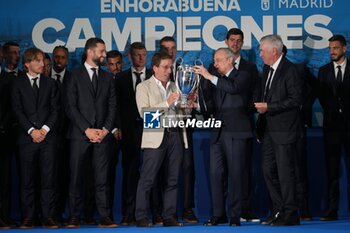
(35, 88)
(268, 83)
(339, 75)
(234, 66)
(138, 78)
(58, 78)
(94, 79)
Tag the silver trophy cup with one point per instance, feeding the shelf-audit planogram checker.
(186, 80)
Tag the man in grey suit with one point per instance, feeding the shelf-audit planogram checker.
(161, 146)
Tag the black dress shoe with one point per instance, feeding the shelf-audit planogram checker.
(143, 223)
(234, 222)
(89, 221)
(305, 215)
(189, 216)
(249, 216)
(285, 222)
(172, 222)
(4, 225)
(157, 219)
(50, 223)
(73, 222)
(9, 222)
(330, 215)
(127, 221)
(214, 221)
(270, 219)
(27, 223)
(107, 223)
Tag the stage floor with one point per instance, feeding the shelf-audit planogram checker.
(315, 226)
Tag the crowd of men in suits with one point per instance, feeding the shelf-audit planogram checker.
(65, 130)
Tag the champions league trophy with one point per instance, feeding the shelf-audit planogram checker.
(186, 80)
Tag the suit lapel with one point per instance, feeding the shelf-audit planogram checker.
(276, 78)
(28, 86)
(42, 87)
(100, 82)
(87, 81)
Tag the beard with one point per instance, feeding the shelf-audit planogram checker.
(337, 58)
(99, 61)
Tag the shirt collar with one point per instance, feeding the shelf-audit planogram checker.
(229, 72)
(134, 70)
(32, 77)
(275, 65)
(159, 83)
(88, 67)
(238, 61)
(53, 73)
(9, 71)
(341, 64)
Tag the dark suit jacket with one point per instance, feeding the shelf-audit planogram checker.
(329, 99)
(284, 101)
(84, 108)
(310, 86)
(231, 97)
(6, 115)
(30, 113)
(127, 108)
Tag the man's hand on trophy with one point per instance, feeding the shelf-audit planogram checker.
(203, 71)
(192, 99)
(172, 98)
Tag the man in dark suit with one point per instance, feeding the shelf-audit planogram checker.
(35, 105)
(130, 126)
(278, 128)
(229, 142)
(334, 80)
(91, 107)
(234, 40)
(60, 74)
(115, 66)
(8, 127)
(310, 85)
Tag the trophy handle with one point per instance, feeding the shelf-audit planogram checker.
(179, 60)
(198, 62)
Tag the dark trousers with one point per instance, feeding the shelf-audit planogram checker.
(247, 177)
(131, 153)
(302, 185)
(114, 152)
(278, 166)
(80, 150)
(229, 152)
(63, 174)
(31, 156)
(170, 153)
(8, 152)
(333, 155)
(188, 173)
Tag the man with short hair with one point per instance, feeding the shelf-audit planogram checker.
(278, 128)
(334, 79)
(168, 45)
(234, 41)
(161, 147)
(35, 106)
(114, 62)
(229, 143)
(130, 128)
(8, 126)
(91, 107)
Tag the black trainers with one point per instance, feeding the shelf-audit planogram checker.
(4, 225)
(189, 216)
(107, 223)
